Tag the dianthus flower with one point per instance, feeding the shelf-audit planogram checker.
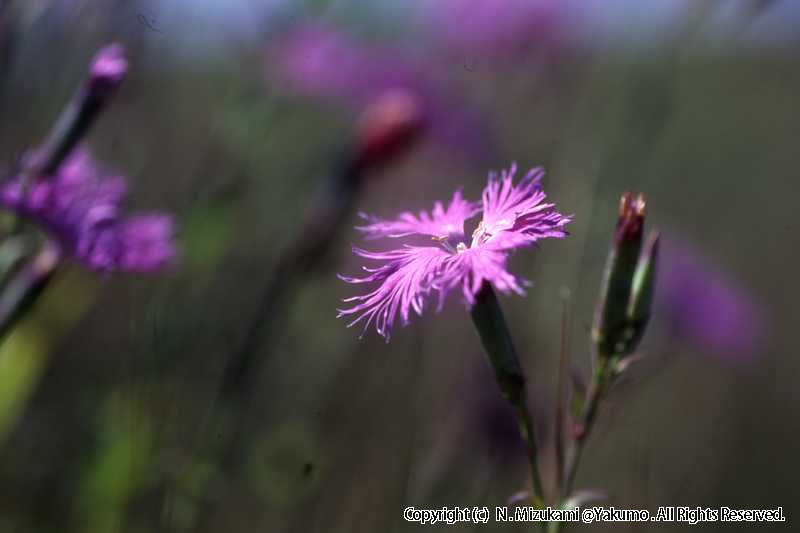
(514, 216)
(81, 210)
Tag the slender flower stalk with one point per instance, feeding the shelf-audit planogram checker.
(23, 289)
(14, 250)
(597, 389)
(561, 396)
(496, 340)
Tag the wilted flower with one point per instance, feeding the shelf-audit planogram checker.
(514, 216)
(705, 306)
(81, 209)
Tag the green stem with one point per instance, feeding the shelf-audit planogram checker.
(19, 295)
(496, 339)
(595, 395)
(561, 399)
(529, 435)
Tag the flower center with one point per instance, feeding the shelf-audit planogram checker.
(453, 243)
(480, 235)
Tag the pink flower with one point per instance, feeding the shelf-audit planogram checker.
(514, 216)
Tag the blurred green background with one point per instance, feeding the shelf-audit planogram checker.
(110, 418)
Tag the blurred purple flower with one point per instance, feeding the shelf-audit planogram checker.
(706, 307)
(514, 216)
(80, 209)
(320, 62)
(493, 27)
(108, 68)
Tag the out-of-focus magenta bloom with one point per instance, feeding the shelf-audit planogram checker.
(81, 209)
(108, 67)
(514, 216)
(493, 27)
(319, 62)
(705, 307)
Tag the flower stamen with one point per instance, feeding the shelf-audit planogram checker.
(444, 241)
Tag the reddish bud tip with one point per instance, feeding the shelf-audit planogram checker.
(631, 217)
(388, 127)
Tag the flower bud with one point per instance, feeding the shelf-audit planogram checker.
(642, 289)
(630, 223)
(107, 71)
(611, 321)
(387, 128)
